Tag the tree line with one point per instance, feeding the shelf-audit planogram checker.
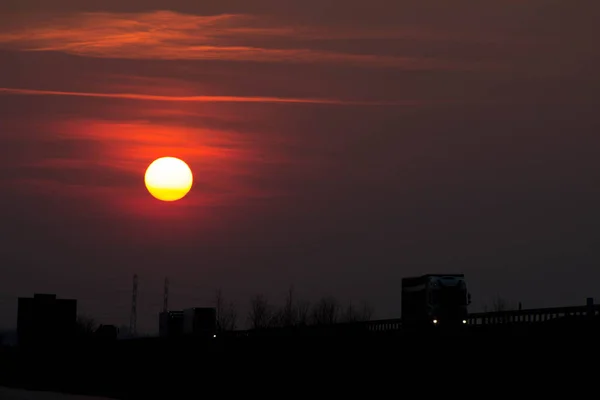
(294, 312)
(262, 313)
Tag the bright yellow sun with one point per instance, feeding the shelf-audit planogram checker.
(168, 179)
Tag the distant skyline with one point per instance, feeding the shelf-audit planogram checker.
(336, 146)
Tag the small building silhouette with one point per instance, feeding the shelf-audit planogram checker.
(170, 323)
(44, 320)
(200, 321)
(106, 333)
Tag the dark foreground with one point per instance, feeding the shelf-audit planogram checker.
(192, 367)
(22, 394)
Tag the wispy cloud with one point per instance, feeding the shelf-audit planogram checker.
(173, 36)
(201, 99)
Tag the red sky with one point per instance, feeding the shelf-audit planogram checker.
(336, 146)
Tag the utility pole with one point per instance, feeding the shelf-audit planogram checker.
(133, 318)
(166, 296)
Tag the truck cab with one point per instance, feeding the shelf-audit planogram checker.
(435, 300)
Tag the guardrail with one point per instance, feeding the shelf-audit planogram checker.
(531, 316)
(387, 325)
(384, 325)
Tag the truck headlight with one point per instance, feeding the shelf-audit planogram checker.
(464, 321)
(435, 321)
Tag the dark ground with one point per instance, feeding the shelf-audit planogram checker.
(172, 369)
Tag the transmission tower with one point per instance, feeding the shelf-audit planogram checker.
(133, 318)
(166, 296)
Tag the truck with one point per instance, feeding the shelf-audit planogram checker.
(435, 301)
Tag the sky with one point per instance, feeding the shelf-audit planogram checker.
(336, 146)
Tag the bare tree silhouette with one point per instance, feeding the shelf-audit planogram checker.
(85, 325)
(500, 304)
(366, 311)
(363, 312)
(289, 314)
(260, 315)
(277, 319)
(302, 312)
(296, 312)
(289, 310)
(226, 314)
(325, 311)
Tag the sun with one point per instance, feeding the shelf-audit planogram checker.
(168, 179)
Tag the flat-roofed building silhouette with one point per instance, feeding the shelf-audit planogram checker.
(170, 323)
(200, 321)
(44, 320)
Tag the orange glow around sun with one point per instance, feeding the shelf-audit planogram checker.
(168, 179)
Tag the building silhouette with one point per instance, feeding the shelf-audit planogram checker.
(106, 333)
(170, 323)
(44, 320)
(198, 321)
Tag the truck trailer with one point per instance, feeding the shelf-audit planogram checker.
(435, 301)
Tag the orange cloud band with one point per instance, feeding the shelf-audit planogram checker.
(168, 35)
(202, 99)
